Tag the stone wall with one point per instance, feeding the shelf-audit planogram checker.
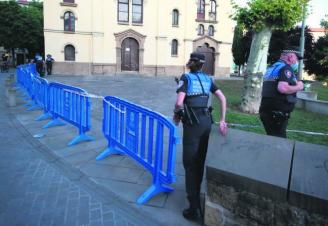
(256, 179)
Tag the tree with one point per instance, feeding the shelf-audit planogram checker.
(324, 22)
(22, 27)
(240, 46)
(318, 62)
(262, 17)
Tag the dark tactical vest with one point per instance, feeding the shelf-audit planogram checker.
(270, 83)
(199, 86)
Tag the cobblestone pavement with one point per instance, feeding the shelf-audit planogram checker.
(36, 188)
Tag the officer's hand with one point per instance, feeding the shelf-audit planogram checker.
(300, 85)
(176, 119)
(223, 128)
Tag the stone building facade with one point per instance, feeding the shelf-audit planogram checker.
(152, 37)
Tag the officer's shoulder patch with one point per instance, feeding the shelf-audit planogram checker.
(288, 73)
(181, 82)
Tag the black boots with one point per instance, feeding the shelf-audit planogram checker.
(192, 214)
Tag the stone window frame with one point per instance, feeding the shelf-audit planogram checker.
(200, 30)
(175, 17)
(142, 11)
(118, 11)
(210, 30)
(62, 17)
(130, 33)
(75, 52)
(174, 47)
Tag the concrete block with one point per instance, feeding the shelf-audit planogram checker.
(247, 161)
(309, 180)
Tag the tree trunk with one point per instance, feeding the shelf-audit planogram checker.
(256, 67)
(239, 66)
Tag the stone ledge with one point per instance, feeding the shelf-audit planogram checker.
(309, 180)
(253, 162)
(265, 180)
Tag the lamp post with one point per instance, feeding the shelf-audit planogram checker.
(300, 66)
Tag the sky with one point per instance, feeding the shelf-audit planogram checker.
(317, 11)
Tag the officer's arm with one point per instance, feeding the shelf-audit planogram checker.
(285, 88)
(223, 104)
(286, 83)
(223, 128)
(180, 98)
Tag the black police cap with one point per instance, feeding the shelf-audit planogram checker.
(293, 49)
(197, 57)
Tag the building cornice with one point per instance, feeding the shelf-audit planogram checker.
(99, 34)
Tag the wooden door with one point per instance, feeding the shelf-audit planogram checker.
(209, 58)
(130, 55)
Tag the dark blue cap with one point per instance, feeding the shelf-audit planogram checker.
(197, 57)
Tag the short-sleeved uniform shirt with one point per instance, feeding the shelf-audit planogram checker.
(183, 85)
(281, 102)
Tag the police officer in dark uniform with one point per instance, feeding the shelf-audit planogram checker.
(280, 85)
(192, 108)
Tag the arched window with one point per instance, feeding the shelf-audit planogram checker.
(123, 11)
(211, 30)
(175, 17)
(201, 9)
(201, 29)
(69, 21)
(213, 6)
(137, 11)
(69, 53)
(174, 47)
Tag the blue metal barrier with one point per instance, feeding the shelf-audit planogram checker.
(41, 97)
(73, 106)
(146, 136)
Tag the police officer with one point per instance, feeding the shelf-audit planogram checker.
(49, 61)
(280, 85)
(192, 108)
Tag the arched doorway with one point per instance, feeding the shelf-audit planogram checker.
(209, 53)
(130, 55)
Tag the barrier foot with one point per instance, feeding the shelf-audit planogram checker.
(152, 191)
(109, 151)
(44, 116)
(34, 107)
(80, 138)
(54, 122)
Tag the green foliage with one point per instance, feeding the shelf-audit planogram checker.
(22, 27)
(241, 46)
(282, 39)
(274, 14)
(324, 22)
(318, 63)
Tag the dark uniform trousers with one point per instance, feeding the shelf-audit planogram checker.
(275, 123)
(195, 142)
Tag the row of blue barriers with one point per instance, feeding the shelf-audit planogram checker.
(146, 136)
(58, 101)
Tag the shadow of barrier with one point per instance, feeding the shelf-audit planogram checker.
(72, 105)
(146, 136)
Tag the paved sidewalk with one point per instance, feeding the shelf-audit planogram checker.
(38, 188)
(119, 175)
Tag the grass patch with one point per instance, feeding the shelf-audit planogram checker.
(300, 119)
(321, 90)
